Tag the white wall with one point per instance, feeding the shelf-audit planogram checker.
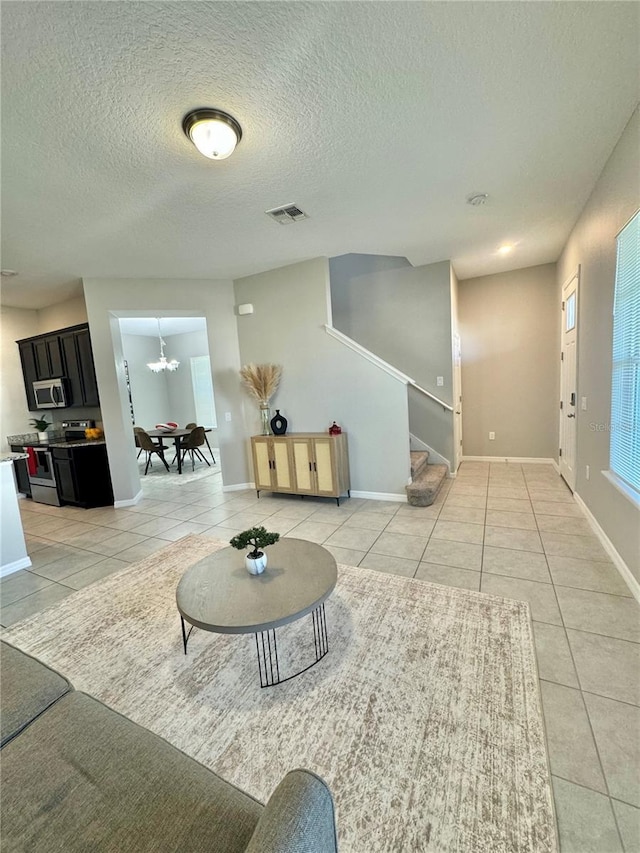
(71, 312)
(184, 347)
(510, 363)
(108, 299)
(149, 390)
(592, 246)
(322, 380)
(15, 323)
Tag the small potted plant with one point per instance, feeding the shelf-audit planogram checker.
(256, 538)
(42, 426)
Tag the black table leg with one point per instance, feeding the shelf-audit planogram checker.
(267, 649)
(210, 450)
(179, 455)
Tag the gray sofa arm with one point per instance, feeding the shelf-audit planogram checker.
(298, 818)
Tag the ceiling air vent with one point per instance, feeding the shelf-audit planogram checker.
(286, 214)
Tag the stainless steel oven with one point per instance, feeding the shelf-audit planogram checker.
(50, 393)
(44, 489)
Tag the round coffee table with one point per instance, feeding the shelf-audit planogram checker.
(218, 594)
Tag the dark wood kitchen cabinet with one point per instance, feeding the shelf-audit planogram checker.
(22, 474)
(65, 353)
(82, 475)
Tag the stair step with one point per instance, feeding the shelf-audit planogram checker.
(419, 458)
(426, 485)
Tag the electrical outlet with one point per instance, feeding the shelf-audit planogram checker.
(492, 436)
(227, 417)
(587, 471)
(439, 381)
(583, 404)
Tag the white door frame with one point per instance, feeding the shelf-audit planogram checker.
(568, 415)
(457, 403)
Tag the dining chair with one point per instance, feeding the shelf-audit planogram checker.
(191, 445)
(149, 446)
(192, 426)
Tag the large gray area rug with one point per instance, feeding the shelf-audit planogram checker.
(202, 472)
(424, 718)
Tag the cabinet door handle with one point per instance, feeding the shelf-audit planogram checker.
(269, 464)
(310, 468)
(315, 467)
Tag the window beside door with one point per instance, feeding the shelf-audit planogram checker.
(203, 391)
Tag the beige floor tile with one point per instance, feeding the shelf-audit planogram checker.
(518, 492)
(212, 516)
(32, 604)
(128, 522)
(390, 565)
(572, 750)
(467, 514)
(187, 512)
(458, 531)
(98, 534)
(509, 504)
(156, 526)
(585, 820)
(368, 520)
(412, 526)
(385, 507)
(587, 574)
(540, 596)
(142, 550)
(222, 534)
(517, 540)
(331, 515)
(183, 529)
(557, 495)
(515, 564)
(19, 584)
(449, 576)
(520, 520)
(353, 538)
(461, 499)
(570, 510)
(462, 555)
(299, 511)
(346, 556)
(607, 666)
(69, 564)
(119, 542)
(245, 520)
(459, 489)
(600, 613)
(582, 547)
(554, 656)
(616, 727)
(400, 545)
(312, 531)
(418, 512)
(34, 544)
(628, 819)
(95, 573)
(68, 532)
(54, 551)
(563, 524)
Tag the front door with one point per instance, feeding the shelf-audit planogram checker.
(568, 380)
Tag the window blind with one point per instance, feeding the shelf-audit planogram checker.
(203, 391)
(625, 392)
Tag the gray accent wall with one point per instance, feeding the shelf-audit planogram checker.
(109, 299)
(509, 328)
(149, 390)
(592, 247)
(403, 315)
(322, 379)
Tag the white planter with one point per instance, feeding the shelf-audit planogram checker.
(257, 566)
(43, 437)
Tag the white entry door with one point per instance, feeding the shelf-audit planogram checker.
(457, 403)
(568, 380)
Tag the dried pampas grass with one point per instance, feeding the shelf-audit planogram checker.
(261, 380)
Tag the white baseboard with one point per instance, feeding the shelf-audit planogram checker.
(129, 501)
(10, 568)
(609, 547)
(238, 487)
(380, 496)
(518, 460)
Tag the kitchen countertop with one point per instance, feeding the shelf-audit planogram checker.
(83, 442)
(15, 457)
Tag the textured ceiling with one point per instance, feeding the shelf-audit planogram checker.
(378, 119)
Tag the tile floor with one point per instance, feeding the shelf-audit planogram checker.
(507, 529)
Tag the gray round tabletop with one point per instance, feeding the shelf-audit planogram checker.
(218, 593)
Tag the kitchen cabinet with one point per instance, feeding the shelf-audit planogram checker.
(22, 475)
(82, 475)
(64, 353)
(302, 464)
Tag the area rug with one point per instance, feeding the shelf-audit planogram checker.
(201, 472)
(424, 718)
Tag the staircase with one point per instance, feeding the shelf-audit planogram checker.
(426, 480)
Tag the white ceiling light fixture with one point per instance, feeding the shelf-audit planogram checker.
(505, 249)
(162, 363)
(214, 133)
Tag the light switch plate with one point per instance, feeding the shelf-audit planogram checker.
(583, 404)
(492, 436)
(439, 381)
(227, 417)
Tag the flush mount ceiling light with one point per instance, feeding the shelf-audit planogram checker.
(214, 133)
(162, 364)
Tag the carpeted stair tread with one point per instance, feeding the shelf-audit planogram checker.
(419, 458)
(426, 485)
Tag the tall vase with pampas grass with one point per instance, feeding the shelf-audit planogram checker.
(261, 381)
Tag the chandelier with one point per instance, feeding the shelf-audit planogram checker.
(162, 363)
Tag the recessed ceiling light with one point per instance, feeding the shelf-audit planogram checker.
(214, 133)
(8, 273)
(477, 199)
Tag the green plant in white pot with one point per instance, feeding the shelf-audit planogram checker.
(42, 426)
(256, 538)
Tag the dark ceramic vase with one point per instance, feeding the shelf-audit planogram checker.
(278, 423)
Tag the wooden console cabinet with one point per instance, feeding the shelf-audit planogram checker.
(302, 463)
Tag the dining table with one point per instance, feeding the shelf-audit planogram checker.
(177, 435)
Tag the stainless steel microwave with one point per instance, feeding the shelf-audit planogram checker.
(50, 394)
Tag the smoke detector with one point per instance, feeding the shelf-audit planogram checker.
(477, 199)
(286, 214)
(8, 273)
